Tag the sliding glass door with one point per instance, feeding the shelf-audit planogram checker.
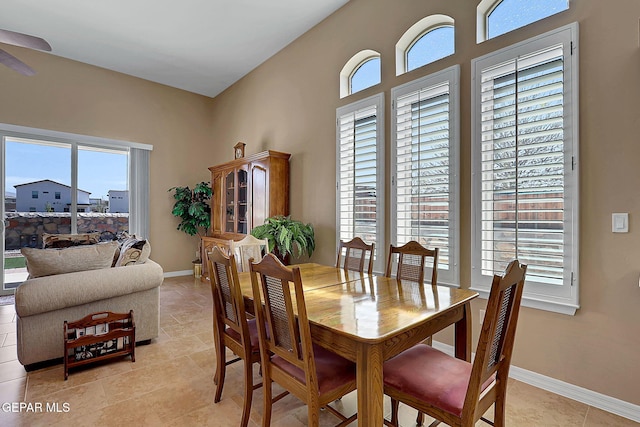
(58, 187)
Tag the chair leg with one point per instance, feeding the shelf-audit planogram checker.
(266, 414)
(499, 412)
(248, 392)
(221, 368)
(395, 405)
(420, 418)
(313, 411)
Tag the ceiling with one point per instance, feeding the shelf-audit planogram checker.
(202, 46)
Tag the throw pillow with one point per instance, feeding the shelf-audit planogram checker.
(68, 240)
(133, 251)
(47, 262)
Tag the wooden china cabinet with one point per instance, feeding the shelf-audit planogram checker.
(246, 191)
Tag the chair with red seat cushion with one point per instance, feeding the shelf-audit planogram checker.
(231, 329)
(454, 391)
(311, 373)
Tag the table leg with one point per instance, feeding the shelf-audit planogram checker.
(370, 386)
(463, 334)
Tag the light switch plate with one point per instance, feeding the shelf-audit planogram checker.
(620, 222)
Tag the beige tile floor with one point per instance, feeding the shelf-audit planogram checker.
(171, 383)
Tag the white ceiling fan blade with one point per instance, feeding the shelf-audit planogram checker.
(15, 64)
(24, 40)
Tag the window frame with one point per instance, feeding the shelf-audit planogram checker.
(138, 170)
(485, 8)
(376, 101)
(417, 31)
(452, 76)
(536, 295)
(353, 65)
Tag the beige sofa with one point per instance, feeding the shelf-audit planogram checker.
(44, 303)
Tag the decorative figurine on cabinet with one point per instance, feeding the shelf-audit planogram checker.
(239, 150)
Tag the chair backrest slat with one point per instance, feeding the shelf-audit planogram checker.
(228, 302)
(247, 248)
(279, 312)
(495, 345)
(224, 294)
(355, 255)
(412, 262)
(280, 308)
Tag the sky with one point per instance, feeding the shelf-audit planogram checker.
(507, 16)
(98, 171)
(513, 14)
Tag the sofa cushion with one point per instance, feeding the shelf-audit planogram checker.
(45, 294)
(66, 240)
(47, 262)
(133, 251)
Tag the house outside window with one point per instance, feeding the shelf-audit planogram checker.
(525, 167)
(57, 195)
(34, 194)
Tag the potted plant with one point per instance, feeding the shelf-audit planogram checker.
(193, 209)
(287, 237)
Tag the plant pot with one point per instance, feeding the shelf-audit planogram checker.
(197, 270)
(285, 259)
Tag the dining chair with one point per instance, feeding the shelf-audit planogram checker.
(355, 255)
(311, 373)
(412, 262)
(231, 329)
(248, 247)
(455, 391)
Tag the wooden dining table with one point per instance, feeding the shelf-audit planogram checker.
(369, 319)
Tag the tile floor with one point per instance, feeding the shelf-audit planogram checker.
(171, 383)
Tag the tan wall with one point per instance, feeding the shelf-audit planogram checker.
(68, 96)
(289, 103)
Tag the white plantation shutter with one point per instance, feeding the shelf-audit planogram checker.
(360, 172)
(524, 187)
(425, 180)
(522, 166)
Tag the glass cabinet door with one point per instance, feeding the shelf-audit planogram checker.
(242, 201)
(230, 202)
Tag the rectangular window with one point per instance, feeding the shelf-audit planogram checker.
(360, 173)
(34, 194)
(525, 177)
(425, 184)
(78, 166)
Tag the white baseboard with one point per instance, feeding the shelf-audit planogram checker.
(589, 397)
(178, 273)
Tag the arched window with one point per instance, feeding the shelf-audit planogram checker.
(428, 40)
(497, 17)
(360, 72)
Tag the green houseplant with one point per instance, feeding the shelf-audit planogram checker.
(193, 209)
(286, 236)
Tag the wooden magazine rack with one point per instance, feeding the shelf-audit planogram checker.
(98, 336)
